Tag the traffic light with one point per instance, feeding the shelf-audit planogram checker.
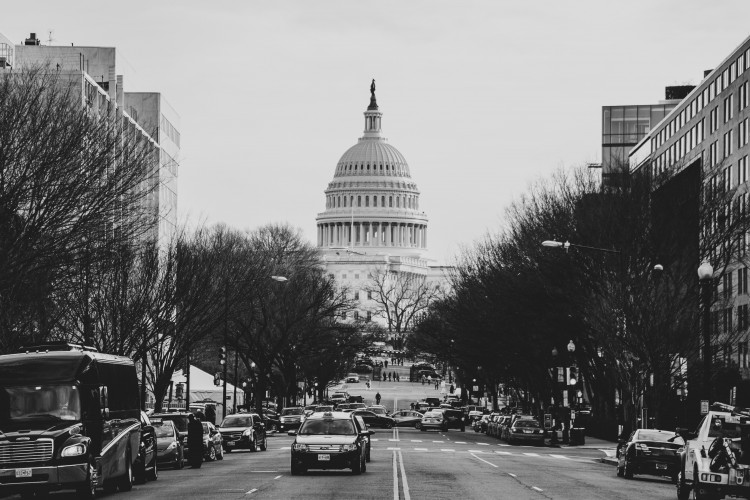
(572, 375)
(179, 390)
(223, 355)
(217, 378)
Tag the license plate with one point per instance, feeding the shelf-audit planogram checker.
(526, 431)
(23, 472)
(661, 466)
(324, 457)
(231, 443)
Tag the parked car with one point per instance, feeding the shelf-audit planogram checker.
(291, 418)
(526, 431)
(352, 378)
(649, 451)
(145, 467)
(375, 420)
(452, 419)
(329, 440)
(243, 430)
(213, 448)
(408, 418)
(169, 449)
(180, 420)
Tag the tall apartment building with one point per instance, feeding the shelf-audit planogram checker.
(706, 137)
(147, 113)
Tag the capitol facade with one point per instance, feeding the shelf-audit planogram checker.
(373, 225)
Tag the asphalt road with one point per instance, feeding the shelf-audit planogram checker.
(408, 464)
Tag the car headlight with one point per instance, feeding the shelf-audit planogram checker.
(299, 447)
(74, 450)
(348, 447)
(247, 432)
(172, 446)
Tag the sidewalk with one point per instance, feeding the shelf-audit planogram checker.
(608, 447)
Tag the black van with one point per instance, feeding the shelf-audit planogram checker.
(69, 419)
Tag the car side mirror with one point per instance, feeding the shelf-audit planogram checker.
(370, 433)
(292, 433)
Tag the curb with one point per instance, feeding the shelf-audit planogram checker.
(608, 460)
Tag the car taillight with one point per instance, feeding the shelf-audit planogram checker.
(643, 447)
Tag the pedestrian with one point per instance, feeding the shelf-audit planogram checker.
(429, 379)
(437, 384)
(195, 442)
(423, 379)
(412, 405)
(377, 398)
(386, 363)
(398, 378)
(452, 389)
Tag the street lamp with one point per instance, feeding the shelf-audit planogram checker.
(280, 279)
(571, 347)
(706, 276)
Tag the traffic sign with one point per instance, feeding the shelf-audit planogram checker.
(704, 406)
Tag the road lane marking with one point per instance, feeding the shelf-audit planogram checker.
(416, 440)
(460, 442)
(421, 449)
(277, 477)
(483, 460)
(403, 477)
(251, 491)
(483, 444)
(441, 442)
(531, 454)
(391, 439)
(500, 444)
(511, 474)
(393, 449)
(285, 448)
(395, 478)
(503, 452)
(537, 489)
(264, 471)
(477, 451)
(558, 456)
(447, 449)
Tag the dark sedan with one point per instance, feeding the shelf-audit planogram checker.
(408, 418)
(649, 451)
(375, 420)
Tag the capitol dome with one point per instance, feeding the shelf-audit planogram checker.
(372, 201)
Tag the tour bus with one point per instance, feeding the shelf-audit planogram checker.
(69, 419)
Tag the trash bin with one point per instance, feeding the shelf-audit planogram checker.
(577, 436)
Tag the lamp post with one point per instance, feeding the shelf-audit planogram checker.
(223, 361)
(706, 276)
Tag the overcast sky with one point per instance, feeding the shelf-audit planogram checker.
(481, 97)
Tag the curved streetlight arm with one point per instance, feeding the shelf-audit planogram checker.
(565, 245)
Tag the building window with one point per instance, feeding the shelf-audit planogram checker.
(369, 316)
(356, 276)
(343, 315)
(356, 315)
(728, 143)
(713, 154)
(359, 201)
(742, 281)
(728, 108)
(742, 169)
(369, 295)
(390, 201)
(727, 285)
(374, 201)
(743, 95)
(382, 201)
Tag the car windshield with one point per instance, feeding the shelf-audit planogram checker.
(662, 437)
(340, 427)
(526, 423)
(292, 411)
(164, 429)
(55, 402)
(433, 414)
(724, 429)
(324, 408)
(244, 421)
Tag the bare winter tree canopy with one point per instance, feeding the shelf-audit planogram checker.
(74, 181)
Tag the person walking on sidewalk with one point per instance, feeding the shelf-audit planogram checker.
(377, 398)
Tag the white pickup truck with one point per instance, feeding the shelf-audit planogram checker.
(712, 463)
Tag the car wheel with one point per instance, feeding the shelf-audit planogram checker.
(178, 461)
(627, 471)
(264, 444)
(211, 453)
(422, 429)
(619, 471)
(126, 481)
(683, 491)
(87, 490)
(253, 444)
(698, 493)
(389, 425)
(153, 474)
(418, 425)
(357, 467)
(220, 454)
(139, 471)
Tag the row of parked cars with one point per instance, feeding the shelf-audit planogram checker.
(513, 429)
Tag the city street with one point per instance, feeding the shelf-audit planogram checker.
(409, 464)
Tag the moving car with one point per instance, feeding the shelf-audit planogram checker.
(169, 449)
(375, 420)
(329, 440)
(433, 419)
(339, 397)
(291, 418)
(379, 409)
(408, 418)
(525, 431)
(71, 420)
(362, 427)
(212, 443)
(649, 451)
(352, 378)
(243, 430)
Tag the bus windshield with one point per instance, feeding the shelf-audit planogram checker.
(53, 402)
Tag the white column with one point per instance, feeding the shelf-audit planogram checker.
(424, 237)
(387, 234)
